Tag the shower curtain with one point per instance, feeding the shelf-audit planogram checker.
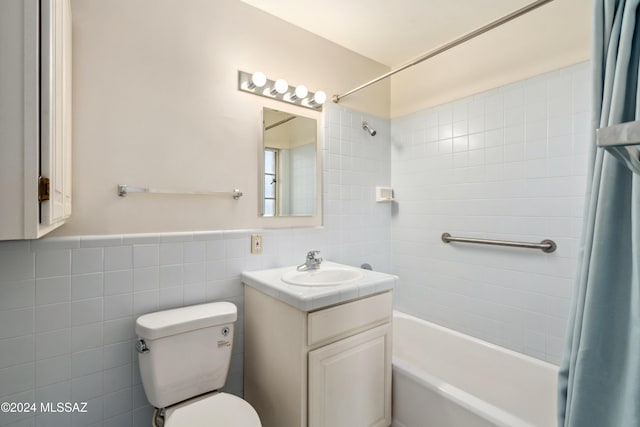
(599, 381)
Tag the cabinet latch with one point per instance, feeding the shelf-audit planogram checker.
(43, 189)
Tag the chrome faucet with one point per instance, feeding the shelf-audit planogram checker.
(312, 263)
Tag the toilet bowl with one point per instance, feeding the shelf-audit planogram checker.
(184, 357)
(214, 409)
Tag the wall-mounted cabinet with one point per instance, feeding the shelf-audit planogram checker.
(35, 117)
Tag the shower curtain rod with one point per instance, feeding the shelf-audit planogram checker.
(473, 34)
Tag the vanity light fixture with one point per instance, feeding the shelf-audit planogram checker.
(301, 92)
(280, 87)
(319, 98)
(258, 79)
(279, 90)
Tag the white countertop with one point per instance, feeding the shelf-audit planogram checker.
(310, 298)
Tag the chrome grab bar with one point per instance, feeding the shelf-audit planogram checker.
(124, 189)
(546, 245)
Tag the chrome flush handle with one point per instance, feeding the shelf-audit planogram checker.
(141, 346)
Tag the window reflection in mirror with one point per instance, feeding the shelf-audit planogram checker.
(289, 164)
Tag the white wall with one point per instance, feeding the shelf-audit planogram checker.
(68, 304)
(553, 36)
(508, 164)
(156, 104)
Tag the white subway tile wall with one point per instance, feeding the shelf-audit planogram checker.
(68, 305)
(509, 164)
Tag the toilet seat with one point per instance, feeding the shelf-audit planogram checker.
(213, 409)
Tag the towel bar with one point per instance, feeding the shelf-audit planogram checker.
(124, 189)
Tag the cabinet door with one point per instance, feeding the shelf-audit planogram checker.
(350, 381)
(55, 148)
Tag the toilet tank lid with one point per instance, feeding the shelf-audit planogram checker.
(171, 322)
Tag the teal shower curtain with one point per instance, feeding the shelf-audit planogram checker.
(599, 381)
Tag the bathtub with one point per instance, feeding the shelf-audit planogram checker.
(442, 378)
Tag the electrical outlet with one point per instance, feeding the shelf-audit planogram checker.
(256, 243)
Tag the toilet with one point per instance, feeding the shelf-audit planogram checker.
(184, 356)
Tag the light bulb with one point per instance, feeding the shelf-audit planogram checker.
(301, 92)
(258, 79)
(319, 98)
(281, 86)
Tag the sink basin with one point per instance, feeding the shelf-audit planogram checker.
(308, 291)
(321, 277)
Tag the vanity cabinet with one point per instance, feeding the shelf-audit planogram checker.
(325, 368)
(35, 117)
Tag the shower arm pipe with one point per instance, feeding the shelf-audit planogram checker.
(473, 34)
(546, 246)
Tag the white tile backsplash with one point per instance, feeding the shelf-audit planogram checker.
(53, 370)
(117, 306)
(145, 302)
(118, 282)
(118, 258)
(52, 317)
(50, 344)
(171, 253)
(86, 336)
(117, 406)
(17, 294)
(87, 260)
(17, 378)
(86, 362)
(170, 298)
(86, 311)
(118, 330)
(215, 249)
(171, 275)
(517, 174)
(53, 290)
(53, 263)
(146, 255)
(118, 378)
(85, 286)
(194, 252)
(86, 387)
(14, 351)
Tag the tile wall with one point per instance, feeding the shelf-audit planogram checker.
(509, 164)
(68, 305)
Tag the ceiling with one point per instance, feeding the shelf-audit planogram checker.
(391, 32)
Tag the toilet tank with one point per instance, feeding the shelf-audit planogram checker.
(185, 352)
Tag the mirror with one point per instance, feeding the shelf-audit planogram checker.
(289, 164)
